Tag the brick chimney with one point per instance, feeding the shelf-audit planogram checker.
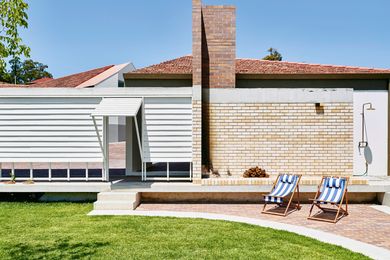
(196, 42)
(217, 39)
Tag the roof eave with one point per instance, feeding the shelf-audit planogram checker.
(315, 76)
(157, 76)
(99, 78)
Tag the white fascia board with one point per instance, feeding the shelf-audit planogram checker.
(97, 92)
(103, 76)
(278, 95)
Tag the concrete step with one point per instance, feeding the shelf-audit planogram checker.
(117, 201)
(114, 205)
(109, 196)
(385, 199)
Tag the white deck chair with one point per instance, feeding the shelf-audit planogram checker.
(284, 185)
(332, 191)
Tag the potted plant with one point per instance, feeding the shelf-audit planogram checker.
(29, 181)
(255, 172)
(13, 178)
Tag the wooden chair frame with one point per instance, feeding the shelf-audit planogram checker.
(339, 210)
(296, 206)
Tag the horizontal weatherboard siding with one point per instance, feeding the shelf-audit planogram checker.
(167, 131)
(49, 130)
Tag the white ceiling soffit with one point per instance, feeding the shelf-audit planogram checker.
(118, 107)
(103, 76)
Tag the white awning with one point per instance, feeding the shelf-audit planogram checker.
(118, 107)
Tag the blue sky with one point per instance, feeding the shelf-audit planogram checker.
(72, 35)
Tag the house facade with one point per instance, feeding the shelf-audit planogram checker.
(110, 76)
(283, 116)
(206, 115)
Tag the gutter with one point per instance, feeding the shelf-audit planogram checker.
(315, 76)
(156, 76)
(152, 76)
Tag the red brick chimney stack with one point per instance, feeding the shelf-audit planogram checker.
(214, 31)
(196, 42)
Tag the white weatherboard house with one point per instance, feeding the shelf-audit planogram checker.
(110, 76)
(71, 126)
(205, 118)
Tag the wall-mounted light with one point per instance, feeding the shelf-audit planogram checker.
(319, 108)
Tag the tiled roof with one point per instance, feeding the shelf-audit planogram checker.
(40, 80)
(71, 81)
(10, 85)
(183, 65)
(253, 66)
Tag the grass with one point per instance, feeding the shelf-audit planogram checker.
(63, 231)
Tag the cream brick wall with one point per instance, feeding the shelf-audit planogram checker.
(197, 138)
(293, 138)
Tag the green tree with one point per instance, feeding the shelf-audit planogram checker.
(273, 55)
(27, 71)
(13, 16)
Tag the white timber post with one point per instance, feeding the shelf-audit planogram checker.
(167, 171)
(68, 172)
(86, 172)
(106, 145)
(129, 145)
(143, 138)
(49, 171)
(13, 170)
(31, 171)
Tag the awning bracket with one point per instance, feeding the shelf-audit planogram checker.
(98, 136)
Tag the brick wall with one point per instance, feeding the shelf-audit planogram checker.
(218, 46)
(293, 138)
(196, 42)
(197, 88)
(197, 138)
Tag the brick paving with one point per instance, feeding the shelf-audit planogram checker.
(363, 223)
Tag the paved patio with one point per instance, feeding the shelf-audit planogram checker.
(364, 223)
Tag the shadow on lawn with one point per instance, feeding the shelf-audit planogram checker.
(61, 249)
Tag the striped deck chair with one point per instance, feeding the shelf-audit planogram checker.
(284, 185)
(331, 191)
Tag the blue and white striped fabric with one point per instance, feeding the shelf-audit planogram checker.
(332, 190)
(285, 186)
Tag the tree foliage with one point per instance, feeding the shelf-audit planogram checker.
(13, 15)
(273, 55)
(25, 72)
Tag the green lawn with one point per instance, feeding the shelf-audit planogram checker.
(63, 231)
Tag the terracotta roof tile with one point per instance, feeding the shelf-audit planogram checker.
(10, 85)
(40, 80)
(71, 81)
(183, 65)
(253, 66)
